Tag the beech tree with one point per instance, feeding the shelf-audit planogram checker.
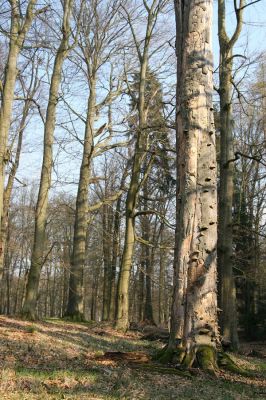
(194, 321)
(37, 258)
(28, 91)
(20, 23)
(119, 202)
(227, 297)
(141, 147)
(98, 40)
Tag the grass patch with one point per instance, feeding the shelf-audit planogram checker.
(55, 374)
(63, 321)
(31, 329)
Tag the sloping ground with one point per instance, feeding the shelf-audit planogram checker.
(60, 360)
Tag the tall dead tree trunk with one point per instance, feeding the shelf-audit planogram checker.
(37, 258)
(18, 31)
(227, 300)
(194, 309)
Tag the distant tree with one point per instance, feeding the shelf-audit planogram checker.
(98, 30)
(159, 178)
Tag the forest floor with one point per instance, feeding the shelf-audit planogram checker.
(55, 359)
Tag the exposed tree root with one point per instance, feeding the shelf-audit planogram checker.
(161, 370)
(147, 322)
(78, 317)
(226, 363)
(121, 326)
(206, 358)
(203, 357)
(28, 316)
(141, 361)
(169, 355)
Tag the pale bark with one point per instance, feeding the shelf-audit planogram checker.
(37, 258)
(194, 309)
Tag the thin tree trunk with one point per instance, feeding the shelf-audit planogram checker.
(116, 248)
(115, 257)
(94, 295)
(122, 317)
(106, 265)
(18, 283)
(148, 309)
(141, 287)
(53, 296)
(161, 299)
(227, 300)
(65, 277)
(107, 261)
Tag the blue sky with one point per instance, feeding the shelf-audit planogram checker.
(252, 41)
(253, 35)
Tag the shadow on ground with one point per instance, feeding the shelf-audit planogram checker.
(58, 360)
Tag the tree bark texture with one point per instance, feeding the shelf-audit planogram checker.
(18, 31)
(194, 309)
(227, 300)
(37, 258)
(9, 187)
(146, 234)
(75, 297)
(122, 314)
